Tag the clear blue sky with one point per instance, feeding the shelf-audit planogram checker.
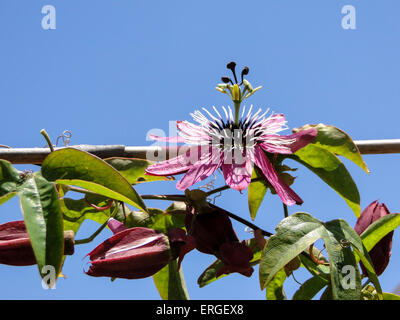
(113, 70)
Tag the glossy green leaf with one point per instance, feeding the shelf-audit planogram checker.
(134, 169)
(76, 211)
(318, 270)
(310, 288)
(10, 179)
(337, 142)
(156, 219)
(380, 228)
(344, 274)
(332, 171)
(293, 235)
(390, 296)
(43, 220)
(342, 230)
(327, 294)
(170, 282)
(274, 290)
(256, 193)
(75, 167)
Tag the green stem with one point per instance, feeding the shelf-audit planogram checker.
(285, 210)
(80, 190)
(169, 197)
(96, 233)
(46, 136)
(237, 111)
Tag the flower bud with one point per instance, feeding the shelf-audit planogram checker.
(131, 254)
(210, 230)
(16, 248)
(212, 233)
(380, 253)
(236, 257)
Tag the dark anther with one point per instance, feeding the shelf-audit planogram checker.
(245, 71)
(226, 80)
(232, 65)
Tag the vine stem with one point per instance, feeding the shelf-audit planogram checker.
(285, 210)
(97, 232)
(182, 198)
(46, 136)
(177, 197)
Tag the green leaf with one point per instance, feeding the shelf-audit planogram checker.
(332, 171)
(43, 220)
(347, 233)
(336, 141)
(76, 211)
(380, 228)
(318, 270)
(390, 296)
(10, 179)
(327, 294)
(310, 288)
(293, 235)
(345, 276)
(256, 193)
(170, 282)
(76, 167)
(134, 169)
(275, 289)
(156, 219)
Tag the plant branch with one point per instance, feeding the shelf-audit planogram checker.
(285, 210)
(177, 197)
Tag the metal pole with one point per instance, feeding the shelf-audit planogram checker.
(37, 155)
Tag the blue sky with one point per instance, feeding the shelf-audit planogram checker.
(111, 71)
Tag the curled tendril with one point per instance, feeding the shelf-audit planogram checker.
(108, 206)
(314, 258)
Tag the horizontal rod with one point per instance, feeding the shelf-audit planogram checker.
(37, 155)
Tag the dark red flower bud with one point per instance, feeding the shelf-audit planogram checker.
(236, 257)
(210, 229)
(181, 243)
(213, 233)
(16, 248)
(131, 254)
(380, 253)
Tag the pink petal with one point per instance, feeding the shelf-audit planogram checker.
(192, 132)
(202, 169)
(176, 165)
(302, 138)
(274, 122)
(175, 139)
(288, 196)
(238, 176)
